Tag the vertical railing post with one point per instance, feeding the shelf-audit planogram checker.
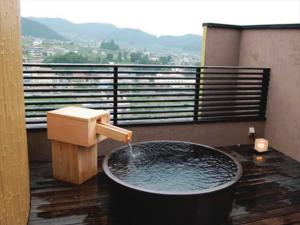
(264, 92)
(196, 101)
(115, 93)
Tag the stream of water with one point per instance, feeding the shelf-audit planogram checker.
(130, 148)
(133, 152)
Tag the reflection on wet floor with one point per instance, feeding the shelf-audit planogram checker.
(268, 193)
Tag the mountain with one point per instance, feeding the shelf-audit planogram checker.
(96, 31)
(188, 42)
(125, 37)
(36, 29)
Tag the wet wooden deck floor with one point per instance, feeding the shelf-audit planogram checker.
(267, 194)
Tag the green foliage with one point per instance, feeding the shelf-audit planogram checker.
(109, 58)
(139, 58)
(120, 57)
(165, 60)
(125, 57)
(134, 57)
(70, 57)
(109, 45)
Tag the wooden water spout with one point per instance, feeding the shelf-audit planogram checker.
(114, 132)
(74, 133)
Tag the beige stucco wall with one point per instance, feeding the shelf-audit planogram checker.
(222, 47)
(279, 50)
(14, 179)
(213, 134)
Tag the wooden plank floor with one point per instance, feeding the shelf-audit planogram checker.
(267, 194)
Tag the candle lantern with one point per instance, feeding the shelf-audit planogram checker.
(261, 145)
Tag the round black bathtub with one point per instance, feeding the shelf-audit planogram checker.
(171, 183)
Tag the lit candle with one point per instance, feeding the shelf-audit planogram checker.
(261, 145)
(259, 158)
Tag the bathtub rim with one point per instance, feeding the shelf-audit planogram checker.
(224, 186)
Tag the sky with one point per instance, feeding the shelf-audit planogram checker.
(166, 17)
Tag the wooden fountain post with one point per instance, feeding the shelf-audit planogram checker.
(74, 133)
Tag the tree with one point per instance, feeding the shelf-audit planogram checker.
(110, 57)
(135, 57)
(119, 57)
(98, 59)
(125, 56)
(70, 57)
(165, 60)
(109, 45)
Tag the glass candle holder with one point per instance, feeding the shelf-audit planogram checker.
(261, 145)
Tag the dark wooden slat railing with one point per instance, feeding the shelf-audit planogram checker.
(147, 94)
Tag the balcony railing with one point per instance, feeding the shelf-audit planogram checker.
(147, 94)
